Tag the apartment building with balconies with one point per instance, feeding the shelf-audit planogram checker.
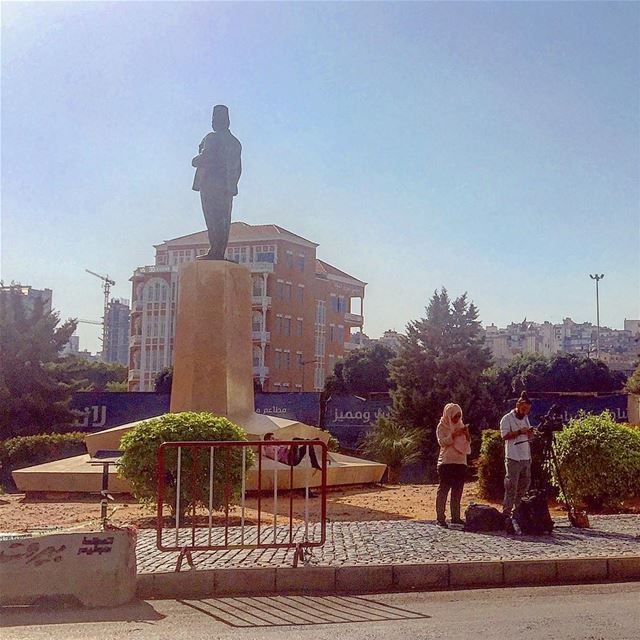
(303, 309)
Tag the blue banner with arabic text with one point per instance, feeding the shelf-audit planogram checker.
(349, 417)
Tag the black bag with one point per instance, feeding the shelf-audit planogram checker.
(532, 514)
(482, 517)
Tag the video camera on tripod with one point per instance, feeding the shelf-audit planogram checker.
(551, 423)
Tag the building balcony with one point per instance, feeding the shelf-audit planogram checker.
(135, 340)
(260, 267)
(261, 301)
(261, 372)
(354, 319)
(261, 336)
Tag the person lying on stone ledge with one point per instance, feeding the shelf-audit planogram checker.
(291, 455)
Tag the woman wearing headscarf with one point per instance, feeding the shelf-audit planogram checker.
(454, 440)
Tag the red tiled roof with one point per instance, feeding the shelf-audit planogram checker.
(239, 231)
(323, 267)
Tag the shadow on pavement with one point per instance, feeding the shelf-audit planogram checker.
(65, 613)
(277, 611)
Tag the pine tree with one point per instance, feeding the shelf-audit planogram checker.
(441, 360)
(32, 398)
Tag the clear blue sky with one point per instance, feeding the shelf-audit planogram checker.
(492, 148)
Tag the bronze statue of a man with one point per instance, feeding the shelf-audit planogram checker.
(218, 170)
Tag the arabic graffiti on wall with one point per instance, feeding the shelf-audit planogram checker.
(96, 545)
(30, 553)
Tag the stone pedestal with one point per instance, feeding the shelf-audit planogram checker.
(212, 363)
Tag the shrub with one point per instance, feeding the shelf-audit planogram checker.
(491, 465)
(140, 446)
(599, 460)
(26, 451)
(393, 444)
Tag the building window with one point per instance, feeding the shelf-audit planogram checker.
(265, 253)
(287, 291)
(321, 312)
(299, 360)
(286, 326)
(258, 287)
(301, 263)
(289, 259)
(238, 254)
(319, 346)
(286, 360)
(342, 305)
(299, 327)
(280, 289)
(278, 325)
(300, 295)
(318, 378)
(277, 360)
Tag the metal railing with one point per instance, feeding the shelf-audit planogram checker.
(224, 468)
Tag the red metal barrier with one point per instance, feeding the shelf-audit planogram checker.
(188, 458)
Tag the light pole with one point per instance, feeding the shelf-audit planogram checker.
(597, 278)
(302, 364)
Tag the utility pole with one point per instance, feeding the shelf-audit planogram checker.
(597, 278)
(107, 283)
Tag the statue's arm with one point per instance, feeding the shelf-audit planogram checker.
(199, 159)
(235, 171)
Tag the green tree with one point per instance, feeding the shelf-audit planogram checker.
(633, 383)
(363, 371)
(164, 380)
(560, 372)
(84, 375)
(441, 360)
(32, 398)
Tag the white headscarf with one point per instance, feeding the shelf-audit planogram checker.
(460, 442)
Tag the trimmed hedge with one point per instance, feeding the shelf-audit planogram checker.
(491, 465)
(26, 451)
(599, 461)
(140, 446)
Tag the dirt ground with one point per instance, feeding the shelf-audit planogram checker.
(377, 502)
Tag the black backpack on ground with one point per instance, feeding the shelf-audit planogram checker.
(482, 517)
(532, 514)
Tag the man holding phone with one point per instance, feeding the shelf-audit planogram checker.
(516, 433)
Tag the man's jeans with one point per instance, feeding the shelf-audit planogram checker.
(516, 483)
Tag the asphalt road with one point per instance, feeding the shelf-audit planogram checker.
(588, 612)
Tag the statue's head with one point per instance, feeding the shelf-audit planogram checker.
(220, 118)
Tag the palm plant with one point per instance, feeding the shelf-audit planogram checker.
(393, 444)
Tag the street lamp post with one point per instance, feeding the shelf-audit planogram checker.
(597, 278)
(305, 362)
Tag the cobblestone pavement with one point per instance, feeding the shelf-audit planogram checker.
(400, 542)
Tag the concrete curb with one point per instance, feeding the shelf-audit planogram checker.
(385, 578)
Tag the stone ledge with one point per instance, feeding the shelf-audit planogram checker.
(466, 574)
(306, 580)
(624, 568)
(318, 580)
(524, 572)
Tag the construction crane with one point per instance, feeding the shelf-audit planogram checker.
(107, 283)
